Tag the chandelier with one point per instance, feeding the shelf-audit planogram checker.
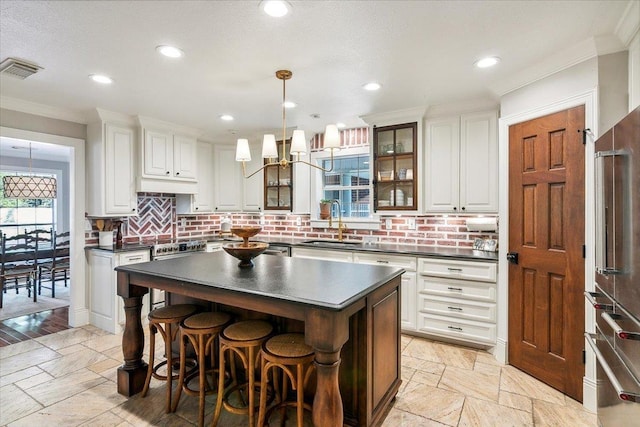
(298, 141)
(29, 186)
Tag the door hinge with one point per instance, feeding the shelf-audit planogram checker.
(584, 357)
(584, 251)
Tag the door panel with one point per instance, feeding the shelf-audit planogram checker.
(546, 196)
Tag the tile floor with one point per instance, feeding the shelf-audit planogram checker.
(68, 379)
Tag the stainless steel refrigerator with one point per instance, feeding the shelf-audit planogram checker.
(616, 299)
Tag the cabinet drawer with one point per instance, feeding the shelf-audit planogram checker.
(408, 263)
(464, 309)
(326, 255)
(465, 270)
(133, 257)
(479, 291)
(466, 330)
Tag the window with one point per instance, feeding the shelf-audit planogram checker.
(349, 182)
(18, 215)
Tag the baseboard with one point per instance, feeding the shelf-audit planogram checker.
(500, 351)
(79, 317)
(589, 394)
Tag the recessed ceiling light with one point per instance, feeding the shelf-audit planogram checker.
(101, 78)
(170, 51)
(290, 104)
(372, 86)
(275, 8)
(487, 62)
(340, 125)
(226, 117)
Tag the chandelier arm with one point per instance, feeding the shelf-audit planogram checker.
(316, 166)
(244, 170)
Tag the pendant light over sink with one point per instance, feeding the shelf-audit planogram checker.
(298, 141)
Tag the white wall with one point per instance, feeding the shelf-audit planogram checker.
(634, 72)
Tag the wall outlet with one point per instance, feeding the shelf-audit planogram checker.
(411, 223)
(298, 221)
(261, 219)
(183, 222)
(387, 224)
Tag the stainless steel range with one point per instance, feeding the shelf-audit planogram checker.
(168, 250)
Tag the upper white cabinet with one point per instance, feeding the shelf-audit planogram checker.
(110, 165)
(202, 200)
(169, 157)
(461, 159)
(252, 194)
(227, 179)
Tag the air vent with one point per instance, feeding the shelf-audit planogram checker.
(18, 68)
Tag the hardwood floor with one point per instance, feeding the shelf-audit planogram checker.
(33, 325)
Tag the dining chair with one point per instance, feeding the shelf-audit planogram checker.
(58, 266)
(18, 264)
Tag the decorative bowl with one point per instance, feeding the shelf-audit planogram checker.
(245, 253)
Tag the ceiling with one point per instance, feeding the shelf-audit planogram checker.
(422, 52)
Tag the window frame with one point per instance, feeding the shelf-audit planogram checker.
(372, 222)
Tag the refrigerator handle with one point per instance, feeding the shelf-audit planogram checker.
(611, 318)
(591, 297)
(627, 396)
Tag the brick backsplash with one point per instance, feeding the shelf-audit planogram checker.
(158, 221)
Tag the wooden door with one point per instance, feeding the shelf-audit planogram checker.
(546, 230)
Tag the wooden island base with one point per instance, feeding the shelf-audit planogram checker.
(356, 344)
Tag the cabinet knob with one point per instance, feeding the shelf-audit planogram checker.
(463, 208)
(197, 208)
(178, 173)
(455, 208)
(133, 210)
(168, 172)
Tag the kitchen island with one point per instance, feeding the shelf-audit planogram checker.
(350, 314)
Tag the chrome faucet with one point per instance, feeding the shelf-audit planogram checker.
(341, 226)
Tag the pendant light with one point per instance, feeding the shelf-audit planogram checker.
(29, 186)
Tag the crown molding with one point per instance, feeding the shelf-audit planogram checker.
(394, 117)
(43, 110)
(629, 23)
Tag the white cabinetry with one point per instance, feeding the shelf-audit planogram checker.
(462, 164)
(106, 308)
(168, 157)
(408, 307)
(457, 299)
(227, 179)
(323, 254)
(110, 166)
(253, 188)
(202, 200)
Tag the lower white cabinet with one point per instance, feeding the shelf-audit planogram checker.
(323, 254)
(106, 308)
(457, 299)
(408, 304)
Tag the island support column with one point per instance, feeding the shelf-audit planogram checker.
(132, 373)
(327, 331)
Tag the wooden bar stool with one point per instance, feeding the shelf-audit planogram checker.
(294, 358)
(165, 320)
(242, 339)
(201, 330)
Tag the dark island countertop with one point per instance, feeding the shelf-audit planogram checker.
(324, 284)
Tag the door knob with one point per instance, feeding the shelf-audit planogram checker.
(512, 257)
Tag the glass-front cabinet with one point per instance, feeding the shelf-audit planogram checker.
(278, 184)
(395, 167)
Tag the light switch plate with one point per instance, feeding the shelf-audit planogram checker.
(387, 224)
(411, 223)
(298, 221)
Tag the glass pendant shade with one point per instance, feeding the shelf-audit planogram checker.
(243, 154)
(298, 143)
(331, 138)
(29, 187)
(269, 147)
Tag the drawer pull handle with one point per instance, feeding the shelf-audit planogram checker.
(454, 269)
(134, 258)
(451, 288)
(381, 261)
(621, 392)
(591, 297)
(611, 318)
(455, 328)
(455, 308)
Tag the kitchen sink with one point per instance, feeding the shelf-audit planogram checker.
(331, 243)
